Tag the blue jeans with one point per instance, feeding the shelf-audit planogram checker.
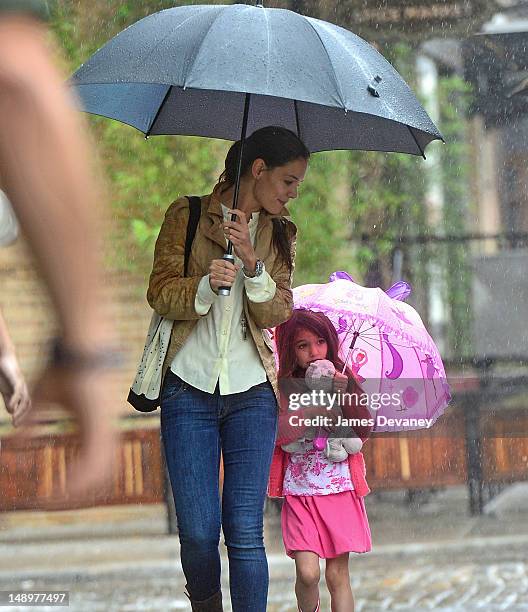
(195, 427)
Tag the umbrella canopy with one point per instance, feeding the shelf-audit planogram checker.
(188, 70)
(385, 343)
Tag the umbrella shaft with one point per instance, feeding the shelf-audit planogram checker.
(239, 168)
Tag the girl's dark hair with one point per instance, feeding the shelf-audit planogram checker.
(320, 325)
(276, 146)
(316, 322)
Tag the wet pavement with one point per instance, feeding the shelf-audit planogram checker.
(426, 556)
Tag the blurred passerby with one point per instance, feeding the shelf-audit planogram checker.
(46, 171)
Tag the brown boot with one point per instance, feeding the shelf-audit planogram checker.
(213, 604)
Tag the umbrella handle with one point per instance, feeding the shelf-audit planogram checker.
(319, 442)
(355, 336)
(226, 290)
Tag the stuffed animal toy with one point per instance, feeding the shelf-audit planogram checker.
(338, 449)
(320, 376)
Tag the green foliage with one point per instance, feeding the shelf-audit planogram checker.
(320, 214)
(145, 177)
(144, 234)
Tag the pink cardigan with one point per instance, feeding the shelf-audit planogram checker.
(280, 459)
(279, 463)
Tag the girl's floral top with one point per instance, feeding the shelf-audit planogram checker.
(311, 473)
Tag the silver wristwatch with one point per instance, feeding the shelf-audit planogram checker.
(259, 268)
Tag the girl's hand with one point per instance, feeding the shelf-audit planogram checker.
(340, 382)
(238, 232)
(222, 273)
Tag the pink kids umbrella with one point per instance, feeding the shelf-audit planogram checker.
(384, 342)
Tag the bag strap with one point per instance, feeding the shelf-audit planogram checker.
(195, 209)
(140, 402)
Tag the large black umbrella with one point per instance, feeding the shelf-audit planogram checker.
(223, 71)
(187, 70)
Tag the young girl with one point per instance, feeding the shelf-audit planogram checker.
(323, 514)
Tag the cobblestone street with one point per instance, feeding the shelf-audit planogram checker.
(484, 575)
(144, 574)
(433, 557)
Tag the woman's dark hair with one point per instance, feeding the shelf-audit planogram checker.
(276, 146)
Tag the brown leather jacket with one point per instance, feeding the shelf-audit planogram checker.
(172, 295)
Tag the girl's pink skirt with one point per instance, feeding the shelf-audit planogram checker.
(328, 525)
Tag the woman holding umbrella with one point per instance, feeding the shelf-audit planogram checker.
(219, 393)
